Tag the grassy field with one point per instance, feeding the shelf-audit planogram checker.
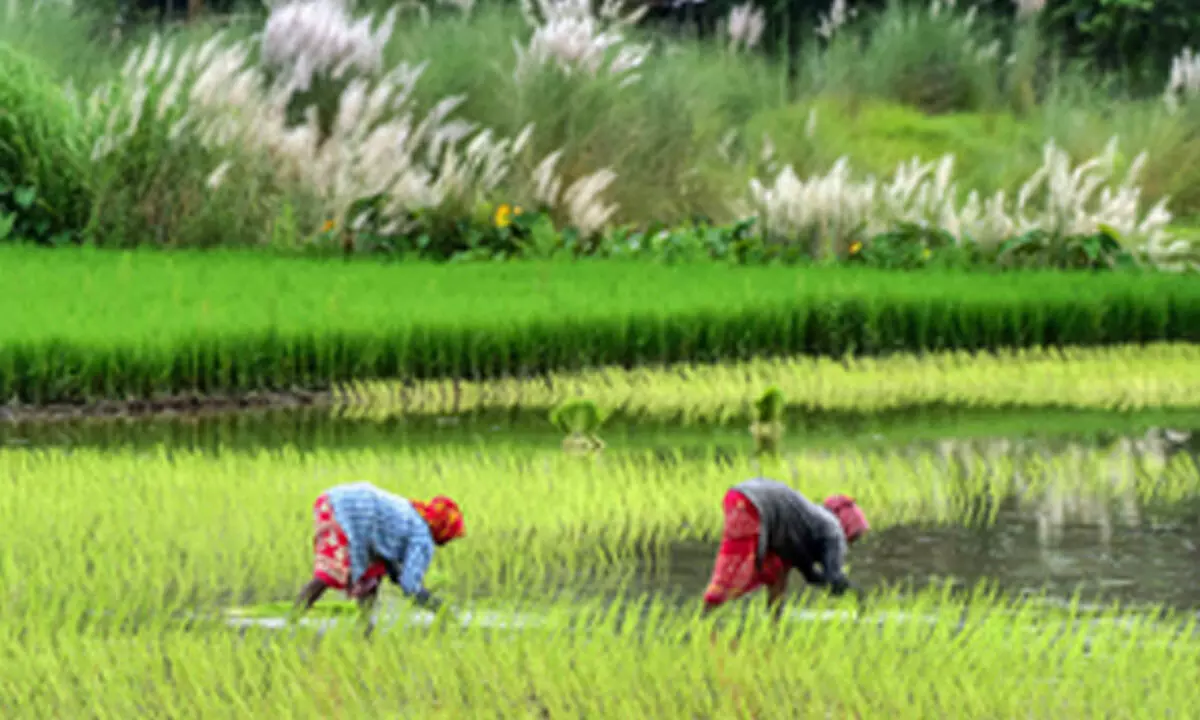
(138, 324)
(995, 668)
(149, 534)
(904, 139)
(148, 540)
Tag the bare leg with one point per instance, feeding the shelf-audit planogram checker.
(366, 609)
(775, 596)
(709, 609)
(309, 594)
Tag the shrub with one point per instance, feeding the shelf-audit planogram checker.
(42, 190)
(157, 181)
(933, 58)
(994, 151)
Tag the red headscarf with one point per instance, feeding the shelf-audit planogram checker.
(444, 518)
(849, 514)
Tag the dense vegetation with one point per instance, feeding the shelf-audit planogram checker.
(602, 136)
(137, 324)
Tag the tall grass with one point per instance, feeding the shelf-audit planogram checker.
(676, 131)
(144, 323)
(664, 666)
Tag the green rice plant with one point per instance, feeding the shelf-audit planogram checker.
(580, 419)
(319, 427)
(1121, 378)
(44, 195)
(151, 535)
(139, 324)
(984, 655)
(767, 428)
(151, 549)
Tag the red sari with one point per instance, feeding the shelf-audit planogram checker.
(331, 550)
(736, 572)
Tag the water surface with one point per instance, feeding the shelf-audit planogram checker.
(1123, 551)
(309, 429)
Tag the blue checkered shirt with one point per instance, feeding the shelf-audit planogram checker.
(386, 526)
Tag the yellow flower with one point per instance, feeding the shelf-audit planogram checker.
(927, 254)
(855, 247)
(503, 216)
(328, 225)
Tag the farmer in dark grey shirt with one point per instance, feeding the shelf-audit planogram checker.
(770, 529)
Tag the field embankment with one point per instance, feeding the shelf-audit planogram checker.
(90, 325)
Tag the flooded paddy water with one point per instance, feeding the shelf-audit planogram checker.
(1106, 549)
(1044, 554)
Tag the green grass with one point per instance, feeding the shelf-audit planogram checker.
(152, 541)
(649, 661)
(86, 324)
(1123, 377)
(155, 533)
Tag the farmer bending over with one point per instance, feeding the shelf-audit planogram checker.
(364, 533)
(769, 529)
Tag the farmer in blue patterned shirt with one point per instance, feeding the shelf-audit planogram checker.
(364, 533)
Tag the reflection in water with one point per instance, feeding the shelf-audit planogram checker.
(1059, 506)
(1076, 498)
(1073, 534)
(1143, 563)
(316, 429)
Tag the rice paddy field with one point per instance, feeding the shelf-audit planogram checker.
(143, 324)
(1035, 507)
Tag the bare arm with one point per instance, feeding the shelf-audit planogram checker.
(811, 574)
(831, 563)
(409, 574)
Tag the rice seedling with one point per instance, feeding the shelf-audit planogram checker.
(767, 428)
(580, 419)
(141, 324)
(983, 656)
(1122, 378)
(160, 533)
(153, 548)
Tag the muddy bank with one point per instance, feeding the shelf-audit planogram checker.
(178, 406)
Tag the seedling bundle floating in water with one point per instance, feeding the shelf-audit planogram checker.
(581, 420)
(767, 428)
